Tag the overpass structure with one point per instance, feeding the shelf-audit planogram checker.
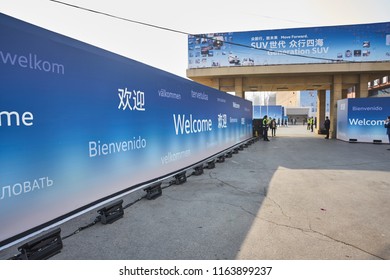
(335, 58)
(336, 77)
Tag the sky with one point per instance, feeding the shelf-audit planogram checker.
(167, 50)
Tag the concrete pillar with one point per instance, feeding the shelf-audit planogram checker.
(344, 93)
(238, 88)
(215, 83)
(321, 105)
(362, 87)
(335, 94)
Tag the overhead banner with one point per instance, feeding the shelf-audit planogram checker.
(79, 124)
(347, 43)
(272, 111)
(363, 119)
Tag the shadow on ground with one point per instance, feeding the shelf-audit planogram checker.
(298, 196)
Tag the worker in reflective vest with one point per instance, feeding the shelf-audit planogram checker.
(265, 128)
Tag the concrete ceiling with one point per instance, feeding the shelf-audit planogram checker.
(288, 77)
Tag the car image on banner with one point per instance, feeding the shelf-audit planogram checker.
(79, 124)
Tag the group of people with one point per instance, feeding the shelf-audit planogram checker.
(270, 123)
(310, 124)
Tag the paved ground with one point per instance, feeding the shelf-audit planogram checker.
(298, 196)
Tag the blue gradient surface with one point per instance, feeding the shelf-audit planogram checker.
(73, 91)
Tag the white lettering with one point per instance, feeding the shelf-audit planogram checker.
(32, 62)
(9, 58)
(17, 185)
(374, 108)
(134, 100)
(170, 157)
(46, 66)
(96, 148)
(222, 121)
(236, 105)
(25, 187)
(365, 122)
(27, 118)
(260, 45)
(199, 95)
(92, 149)
(35, 185)
(49, 182)
(23, 61)
(294, 51)
(42, 181)
(3, 191)
(189, 126)
(320, 50)
(164, 93)
(13, 118)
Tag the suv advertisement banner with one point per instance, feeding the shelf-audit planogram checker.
(79, 124)
(347, 43)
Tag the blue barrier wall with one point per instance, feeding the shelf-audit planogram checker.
(79, 124)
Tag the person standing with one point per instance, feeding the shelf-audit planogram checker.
(310, 124)
(327, 127)
(272, 125)
(387, 126)
(265, 128)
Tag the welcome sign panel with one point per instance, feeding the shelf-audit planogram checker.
(362, 119)
(78, 124)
